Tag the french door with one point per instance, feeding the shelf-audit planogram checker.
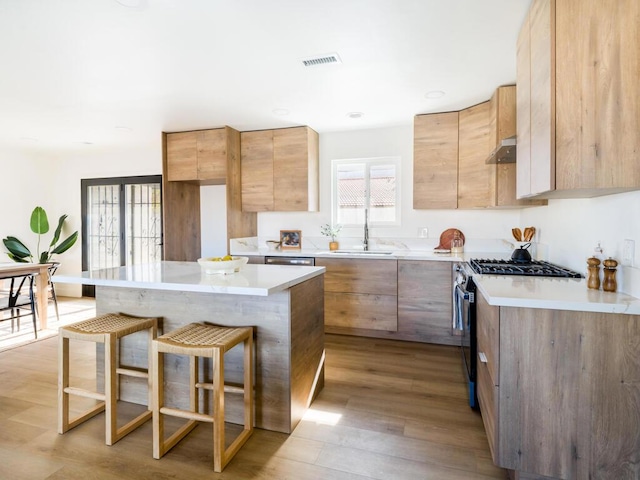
(121, 222)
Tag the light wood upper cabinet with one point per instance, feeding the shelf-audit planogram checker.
(450, 168)
(504, 175)
(476, 179)
(199, 156)
(580, 65)
(257, 170)
(280, 170)
(435, 161)
(192, 159)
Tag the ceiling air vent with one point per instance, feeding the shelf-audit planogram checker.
(321, 60)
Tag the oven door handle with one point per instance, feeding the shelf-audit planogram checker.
(462, 293)
(459, 297)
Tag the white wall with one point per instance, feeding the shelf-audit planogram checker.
(54, 183)
(571, 229)
(22, 187)
(213, 220)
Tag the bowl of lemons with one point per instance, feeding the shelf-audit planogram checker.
(224, 265)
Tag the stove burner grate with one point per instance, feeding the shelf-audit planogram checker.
(535, 268)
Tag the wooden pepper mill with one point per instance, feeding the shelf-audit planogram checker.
(594, 273)
(609, 284)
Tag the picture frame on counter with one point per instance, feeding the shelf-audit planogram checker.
(290, 239)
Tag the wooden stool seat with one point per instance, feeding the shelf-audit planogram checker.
(211, 341)
(106, 329)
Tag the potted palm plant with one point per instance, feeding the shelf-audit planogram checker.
(19, 252)
(332, 232)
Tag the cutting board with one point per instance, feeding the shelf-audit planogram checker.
(446, 237)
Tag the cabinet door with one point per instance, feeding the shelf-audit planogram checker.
(488, 364)
(523, 111)
(476, 179)
(182, 156)
(360, 295)
(435, 161)
(542, 71)
(212, 155)
(597, 99)
(425, 301)
(257, 170)
(354, 275)
(295, 168)
(488, 333)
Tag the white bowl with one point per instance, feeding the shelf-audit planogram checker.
(230, 266)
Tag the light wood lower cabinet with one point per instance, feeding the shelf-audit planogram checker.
(565, 400)
(396, 299)
(424, 301)
(360, 295)
(488, 369)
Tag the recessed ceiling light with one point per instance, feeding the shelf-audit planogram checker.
(280, 111)
(124, 129)
(29, 139)
(355, 115)
(83, 143)
(433, 94)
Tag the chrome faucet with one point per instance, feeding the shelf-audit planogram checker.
(365, 243)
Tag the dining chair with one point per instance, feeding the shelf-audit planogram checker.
(15, 301)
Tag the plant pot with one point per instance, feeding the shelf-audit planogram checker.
(334, 245)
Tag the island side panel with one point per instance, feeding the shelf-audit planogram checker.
(307, 345)
(269, 315)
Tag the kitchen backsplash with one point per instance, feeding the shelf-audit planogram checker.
(312, 244)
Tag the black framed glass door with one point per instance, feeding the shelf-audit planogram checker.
(121, 222)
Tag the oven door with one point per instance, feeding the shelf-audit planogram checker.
(465, 318)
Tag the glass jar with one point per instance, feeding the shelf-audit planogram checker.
(457, 244)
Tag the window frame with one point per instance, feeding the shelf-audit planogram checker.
(368, 162)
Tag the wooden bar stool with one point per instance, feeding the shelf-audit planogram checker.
(198, 340)
(106, 329)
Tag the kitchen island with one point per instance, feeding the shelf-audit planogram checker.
(283, 303)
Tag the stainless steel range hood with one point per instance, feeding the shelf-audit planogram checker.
(505, 152)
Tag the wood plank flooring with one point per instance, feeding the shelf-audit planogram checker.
(389, 410)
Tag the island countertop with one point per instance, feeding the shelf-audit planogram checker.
(261, 280)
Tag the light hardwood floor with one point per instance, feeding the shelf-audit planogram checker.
(389, 410)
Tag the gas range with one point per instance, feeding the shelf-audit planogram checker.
(535, 268)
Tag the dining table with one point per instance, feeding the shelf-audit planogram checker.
(41, 273)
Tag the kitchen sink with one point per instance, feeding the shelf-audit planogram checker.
(361, 252)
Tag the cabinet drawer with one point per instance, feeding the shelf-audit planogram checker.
(488, 334)
(348, 275)
(371, 312)
(488, 396)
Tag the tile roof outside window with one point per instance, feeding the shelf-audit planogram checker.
(383, 192)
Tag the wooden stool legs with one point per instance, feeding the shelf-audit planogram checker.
(215, 350)
(106, 329)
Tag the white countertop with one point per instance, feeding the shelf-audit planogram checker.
(553, 293)
(379, 254)
(261, 280)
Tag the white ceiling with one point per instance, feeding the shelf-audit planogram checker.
(77, 71)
